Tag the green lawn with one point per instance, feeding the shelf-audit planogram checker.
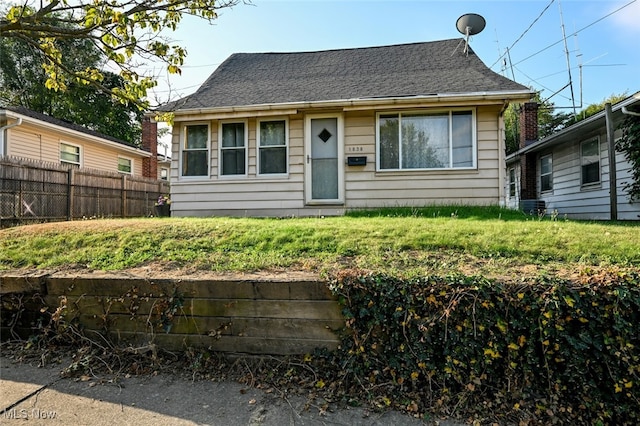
(403, 242)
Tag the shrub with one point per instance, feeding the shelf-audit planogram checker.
(550, 351)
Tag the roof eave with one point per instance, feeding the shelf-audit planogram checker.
(355, 104)
(27, 119)
(574, 128)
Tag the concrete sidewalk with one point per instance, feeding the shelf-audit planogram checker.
(41, 397)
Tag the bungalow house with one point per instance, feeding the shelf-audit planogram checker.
(317, 133)
(35, 136)
(570, 171)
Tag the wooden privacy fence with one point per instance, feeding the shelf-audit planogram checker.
(34, 191)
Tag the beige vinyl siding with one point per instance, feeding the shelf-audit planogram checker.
(101, 157)
(237, 195)
(364, 186)
(28, 141)
(42, 143)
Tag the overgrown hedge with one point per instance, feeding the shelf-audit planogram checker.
(551, 351)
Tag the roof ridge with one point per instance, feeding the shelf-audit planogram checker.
(345, 49)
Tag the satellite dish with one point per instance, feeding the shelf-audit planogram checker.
(468, 25)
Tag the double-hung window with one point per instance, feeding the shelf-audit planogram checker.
(125, 165)
(423, 141)
(546, 173)
(195, 150)
(590, 161)
(233, 149)
(272, 147)
(70, 154)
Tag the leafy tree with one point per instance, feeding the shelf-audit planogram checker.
(629, 145)
(417, 152)
(549, 122)
(595, 108)
(125, 31)
(22, 83)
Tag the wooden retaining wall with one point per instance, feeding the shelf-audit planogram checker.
(252, 316)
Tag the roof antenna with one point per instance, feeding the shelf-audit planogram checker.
(468, 25)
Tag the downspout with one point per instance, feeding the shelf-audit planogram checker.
(613, 178)
(3, 132)
(502, 172)
(502, 148)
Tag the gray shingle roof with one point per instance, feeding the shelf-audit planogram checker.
(438, 67)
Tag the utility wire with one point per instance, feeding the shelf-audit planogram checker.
(176, 90)
(525, 32)
(573, 68)
(538, 82)
(575, 33)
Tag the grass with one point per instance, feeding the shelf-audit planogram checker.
(402, 241)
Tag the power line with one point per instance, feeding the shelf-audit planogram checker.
(575, 33)
(537, 82)
(201, 66)
(575, 68)
(176, 90)
(525, 32)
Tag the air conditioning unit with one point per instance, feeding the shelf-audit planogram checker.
(532, 207)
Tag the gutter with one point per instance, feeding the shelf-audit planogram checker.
(627, 112)
(121, 146)
(3, 131)
(359, 103)
(601, 115)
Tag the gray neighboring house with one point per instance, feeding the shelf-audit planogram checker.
(317, 133)
(569, 171)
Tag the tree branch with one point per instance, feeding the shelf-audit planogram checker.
(114, 28)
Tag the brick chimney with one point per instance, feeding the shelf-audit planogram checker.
(528, 123)
(150, 143)
(528, 162)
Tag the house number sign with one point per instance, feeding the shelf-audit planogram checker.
(355, 149)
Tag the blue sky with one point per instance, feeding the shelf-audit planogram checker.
(607, 47)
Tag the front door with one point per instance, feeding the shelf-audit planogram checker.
(324, 168)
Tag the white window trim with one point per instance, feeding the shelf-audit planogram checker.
(513, 183)
(79, 163)
(246, 149)
(550, 156)
(286, 146)
(474, 142)
(131, 164)
(599, 181)
(183, 138)
(341, 160)
(167, 174)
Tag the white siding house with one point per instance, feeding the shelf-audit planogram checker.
(570, 171)
(281, 134)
